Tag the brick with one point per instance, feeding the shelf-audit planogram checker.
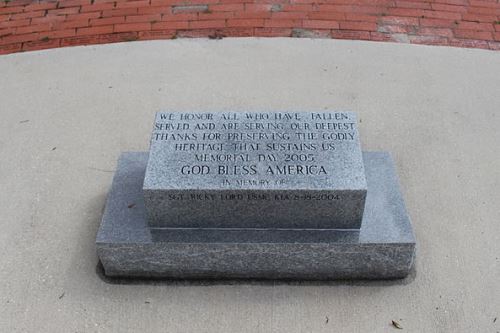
(487, 4)
(11, 10)
(180, 17)
(63, 11)
(117, 37)
(13, 24)
(152, 35)
(105, 29)
(11, 39)
(107, 21)
(195, 33)
(365, 26)
(10, 48)
(494, 45)
(351, 34)
(304, 2)
(119, 12)
(330, 7)
(273, 32)
(245, 23)
(58, 33)
(252, 15)
(256, 7)
(215, 16)
(406, 12)
(143, 18)
(319, 24)
(15, 3)
(475, 26)
(170, 25)
(361, 17)
(207, 24)
(230, 7)
(236, 32)
(437, 23)
(41, 45)
(483, 11)
(81, 16)
(369, 10)
(413, 4)
(453, 2)
(442, 15)
(372, 2)
(72, 24)
(33, 28)
(4, 18)
(449, 8)
(471, 34)
(297, 8)
(288, 15)
(380, 37)
(236, 1)
(47, 19)
(270, 23)
(84, 40)
(398, 20)
(73, 3)
(321, 15)
(22, 16)
(132, 4)
(40, 6)
(497, 27)
(478, 44)
(154, 10)
(130, 27)
(162, 3)
(199, 2)
(478, 17)
(8, 31)
(97, 7)
(443, 32)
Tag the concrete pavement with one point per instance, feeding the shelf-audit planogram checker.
(66, 114)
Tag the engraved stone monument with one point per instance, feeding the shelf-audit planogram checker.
(256, 195)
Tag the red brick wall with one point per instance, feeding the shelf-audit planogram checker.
(32, 25)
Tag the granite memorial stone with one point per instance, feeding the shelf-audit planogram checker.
(256, 195)
(255, 170)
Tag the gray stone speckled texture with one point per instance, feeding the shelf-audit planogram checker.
(253, 173)
(383, 248)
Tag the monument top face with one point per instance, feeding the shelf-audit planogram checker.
(254, 151)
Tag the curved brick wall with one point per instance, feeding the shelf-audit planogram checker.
(32, 25)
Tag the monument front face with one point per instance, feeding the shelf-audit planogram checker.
(255, 170)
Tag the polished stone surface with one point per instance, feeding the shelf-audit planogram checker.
(255, 170)
(384, 247)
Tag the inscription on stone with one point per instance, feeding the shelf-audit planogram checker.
(255, 169)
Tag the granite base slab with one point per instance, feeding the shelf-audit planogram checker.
(382, 249)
